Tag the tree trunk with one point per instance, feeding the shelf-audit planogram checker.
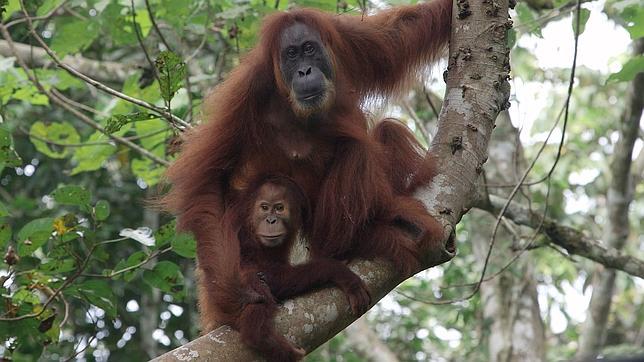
(367, 344)
(151, 301)
(616, 229)
(516, 331)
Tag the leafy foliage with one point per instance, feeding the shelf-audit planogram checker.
(632, 67)
(3, 7)
(172, 71)
(116, 122)
(8, 155)
(51, 139)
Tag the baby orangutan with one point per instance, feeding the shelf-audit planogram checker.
(267, 222)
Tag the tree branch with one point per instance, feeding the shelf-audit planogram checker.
(309, 320)
(574, 241)
(104, 71)
(62, 101)
(173, 119)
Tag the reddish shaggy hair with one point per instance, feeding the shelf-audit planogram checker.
(359, 183)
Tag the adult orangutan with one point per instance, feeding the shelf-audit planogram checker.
(293, 107)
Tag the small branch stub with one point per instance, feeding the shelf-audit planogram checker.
(463, 9)
(457, 144)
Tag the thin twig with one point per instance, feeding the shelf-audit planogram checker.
(527, 246)
(55, 293)
(81, 116)
(37, 18)
(139, 38)
(66, 316)
(419, 124)
(76, 353)
(429, 101)
(82, 106)
(550, 15)
(565, 109)
(90, 143)
(112, 241)
(154, 24)
(131, 267)
(198, 49)
(74, 13)
(173, 119)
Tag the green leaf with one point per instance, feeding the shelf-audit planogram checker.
(172, 72)
(167, 277)
(9, 7)
(51, 139)
(132, 86)
(3, 7)
(8, 156)
(511, 38)
(118, 24)
(92, 157)
(117, 121)
(629, 70)
(102, 210)
(24, 295)
(58, 265)
(527, 19)
(29, 93)
(48, 327)
(27, 263)
(328, 5)
(234, 12)
(99, 293)
(175, 12)
(584, 14)
(48, 6)
(58, 79)
(164, 235)
(72, 195)
(3, 210)
(73, 35)
(53, 334)
(5, 235)
(633, 14)
(153, 135)
(34, 235)
(132, 260)
(147, 170)
(185, 245)
(12, 7)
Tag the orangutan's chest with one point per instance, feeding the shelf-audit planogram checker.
(297, 147)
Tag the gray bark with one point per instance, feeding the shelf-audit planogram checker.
(616, 229)
(515, 331)
(104, 71)
(366, 342)
(572, 240)
(151, 301)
